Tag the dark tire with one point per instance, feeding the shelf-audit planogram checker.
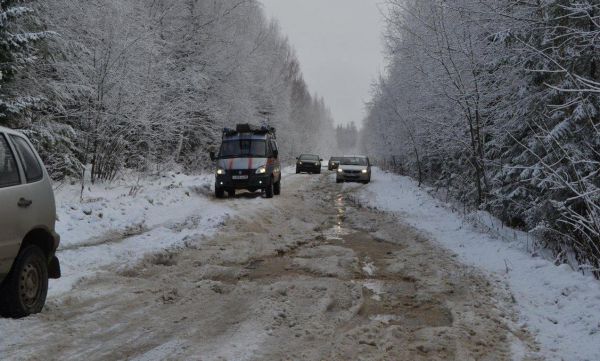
(25, 289)
(269, 191)
(231, 193)
(319, 172)
(339, 181)
(219, 192)
(297, 171)
(277, 188)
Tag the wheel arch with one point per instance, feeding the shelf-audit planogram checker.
(42, 238)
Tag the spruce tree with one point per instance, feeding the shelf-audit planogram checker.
(17, 50)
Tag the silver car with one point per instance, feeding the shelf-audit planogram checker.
(356, 168)
(28, 241)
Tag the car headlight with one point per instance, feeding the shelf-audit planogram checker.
(300, 163)
(317, 163)
(220, 171)
(340, 170)
(261, 170)
(365, 171)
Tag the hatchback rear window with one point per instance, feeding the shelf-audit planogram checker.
(31, 165)
(9, 173)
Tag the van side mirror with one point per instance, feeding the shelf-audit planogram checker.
(275, 154)
(212, 156)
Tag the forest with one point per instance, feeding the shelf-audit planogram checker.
(149, 85)
(496, 105)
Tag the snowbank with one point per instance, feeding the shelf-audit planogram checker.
(117, 224)
(561, 307)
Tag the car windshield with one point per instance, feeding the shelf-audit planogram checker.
(354, 161)
(244, 148)
(309, 157)
(335, 159)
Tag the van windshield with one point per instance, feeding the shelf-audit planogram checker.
(244, 148)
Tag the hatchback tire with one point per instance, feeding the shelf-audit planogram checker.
(24, 291)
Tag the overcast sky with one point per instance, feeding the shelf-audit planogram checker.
(340, 48)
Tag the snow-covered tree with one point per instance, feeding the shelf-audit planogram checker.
(497, 103)
(17, 51)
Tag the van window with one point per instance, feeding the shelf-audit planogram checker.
(9, 173)
(31, 166)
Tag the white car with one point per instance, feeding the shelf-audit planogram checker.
(356, 168)
(28, 241)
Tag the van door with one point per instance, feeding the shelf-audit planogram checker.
(10, 182)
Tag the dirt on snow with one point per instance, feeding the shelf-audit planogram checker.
(311, 276)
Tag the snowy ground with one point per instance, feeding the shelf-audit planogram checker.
(561, 307)
(118, 224)
(167, 272)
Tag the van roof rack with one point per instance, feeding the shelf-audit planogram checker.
(249, 128)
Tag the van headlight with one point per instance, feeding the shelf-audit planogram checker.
(261, 170)
(364, 171)
(220, 171)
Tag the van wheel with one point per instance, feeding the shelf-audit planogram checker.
(24, 291)
(277, 188)
(219, 192)
(270, 190)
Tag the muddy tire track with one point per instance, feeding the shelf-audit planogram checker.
(313, 276)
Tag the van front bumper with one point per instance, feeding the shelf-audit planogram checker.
(254, 181)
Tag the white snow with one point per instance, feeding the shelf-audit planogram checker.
(561, 307)
(376, 287)
(115, 225)
(118, 224)
(369, 268)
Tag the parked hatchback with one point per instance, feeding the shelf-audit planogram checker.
(28, 241)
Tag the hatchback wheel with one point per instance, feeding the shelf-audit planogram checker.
(24, 291)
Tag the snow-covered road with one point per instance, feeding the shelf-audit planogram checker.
(168, 272)
(561, 307)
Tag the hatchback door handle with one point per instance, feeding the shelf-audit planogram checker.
(24, 203)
